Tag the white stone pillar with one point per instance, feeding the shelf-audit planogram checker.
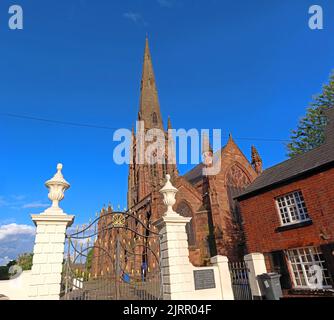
(49, 246)
(225, 277)
(256, 266)
(177, 271)
(48, 256)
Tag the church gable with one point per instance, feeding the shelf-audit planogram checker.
(234, 165)
(230, 154)
(235, 175)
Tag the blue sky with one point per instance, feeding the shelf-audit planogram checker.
(246, 67)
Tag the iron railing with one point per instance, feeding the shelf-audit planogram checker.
(240, 281)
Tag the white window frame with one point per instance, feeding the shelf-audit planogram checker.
(321, 263)
(301, 211)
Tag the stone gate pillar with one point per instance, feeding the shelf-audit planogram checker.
(49, 243)
(256, 266)
(176, 267)
(225, 277)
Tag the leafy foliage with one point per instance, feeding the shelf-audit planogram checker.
(90, 259)
(25, 261)
(4, 270)
(4, 273)
(310, 131)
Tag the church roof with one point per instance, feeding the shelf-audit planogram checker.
(298, 166)
(195, 174)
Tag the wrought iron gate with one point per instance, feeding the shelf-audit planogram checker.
(115, 257)
(240, 281)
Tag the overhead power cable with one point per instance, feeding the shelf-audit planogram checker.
(94, 126)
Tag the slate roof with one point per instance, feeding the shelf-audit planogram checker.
(298, 166)
(195, 174)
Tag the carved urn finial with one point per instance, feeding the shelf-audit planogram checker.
(57, 186)
(169, 193)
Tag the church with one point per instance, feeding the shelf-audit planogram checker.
(216, 224)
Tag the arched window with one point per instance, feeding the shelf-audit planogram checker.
(236, 181)
(184, 210)
(154, 119)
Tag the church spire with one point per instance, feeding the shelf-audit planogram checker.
(149, 101)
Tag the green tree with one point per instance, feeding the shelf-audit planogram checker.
(25, 261)
(4, 273)
(89, 259)
(310, 131)
(4, 270)
(11, 263)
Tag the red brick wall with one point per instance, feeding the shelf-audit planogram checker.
(261, 217)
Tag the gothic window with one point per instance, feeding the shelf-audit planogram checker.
(184, 210)
(154, 119)
(236, 181)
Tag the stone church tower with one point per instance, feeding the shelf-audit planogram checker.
(216, 225)
(145, 180)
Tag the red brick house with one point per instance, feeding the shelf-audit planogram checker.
(288, 215)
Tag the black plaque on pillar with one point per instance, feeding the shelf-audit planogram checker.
(204, 279)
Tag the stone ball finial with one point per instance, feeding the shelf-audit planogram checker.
(59, 166)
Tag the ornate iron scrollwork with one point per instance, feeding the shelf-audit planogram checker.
(118, 220)
(115, 257)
